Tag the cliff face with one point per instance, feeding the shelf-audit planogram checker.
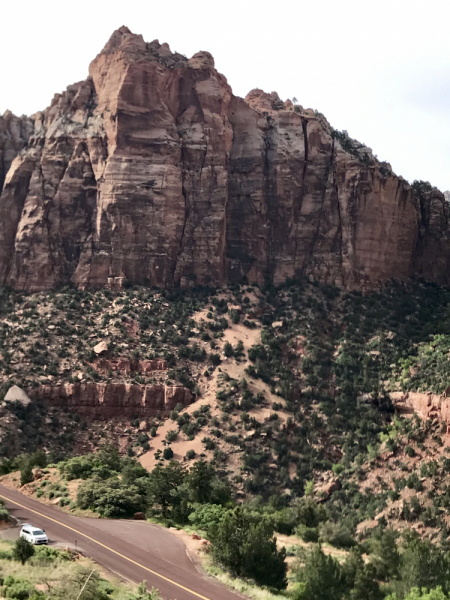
(151, 170)
(14, 135)
(108, 400)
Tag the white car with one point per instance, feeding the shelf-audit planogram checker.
(33, 534)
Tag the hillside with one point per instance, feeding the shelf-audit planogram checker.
(276, 380)
(293, 412)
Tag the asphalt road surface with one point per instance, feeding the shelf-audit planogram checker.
(135, 550)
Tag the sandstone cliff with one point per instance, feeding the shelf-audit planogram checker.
(151, 170)
(107, 400)
(14, 135)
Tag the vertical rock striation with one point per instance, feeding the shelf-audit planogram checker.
(151, 170)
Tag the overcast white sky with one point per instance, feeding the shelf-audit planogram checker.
(379, 69)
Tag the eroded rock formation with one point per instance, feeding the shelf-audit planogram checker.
(424, 405)
(152, 171)
(107, 400)
(125, 366)
(14, 135)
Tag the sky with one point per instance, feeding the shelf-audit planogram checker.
(380, 70)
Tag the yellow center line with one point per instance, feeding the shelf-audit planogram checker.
(108, 548)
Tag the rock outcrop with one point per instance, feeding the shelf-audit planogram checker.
(424, 405)
(125, 366)
(107, 400)
(152, 171)
(14, 135)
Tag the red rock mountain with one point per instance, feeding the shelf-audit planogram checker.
(152, 170)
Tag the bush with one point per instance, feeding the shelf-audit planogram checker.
(190, 454)
(23, 550)
(111, 499)
(208, 443)
(26, 474)
(307, 534)
(171, 436)
(410, 451)
(228, 350)
(247, 548)
(19, 589)
(215, 359)
(336, 534)
(320, 578)
(206, 516)
(168, 453)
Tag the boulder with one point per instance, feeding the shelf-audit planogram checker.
(16, 394)
(101, 347)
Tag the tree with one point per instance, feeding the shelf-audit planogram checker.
(360, 578)
(26, 474)
(320, 578)
(82, 579)
(423, 565)
(228, 350)
(164, 487)
(143, 594)
(116, 503)
(385, 555)
(168, 453)
(199, 481)
(247, 548)
(112, 498)
(23, 550)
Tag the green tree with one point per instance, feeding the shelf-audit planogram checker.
(385, 555)
(143, 594)
(205, 486)
(423, 566)
(23, 550)
(360, 579)
(17, 588)
(246, 547)
(26, 474)
(112, 498)
(228, 350)
(319, 578)
(165, 490)
(121, 502)
(95, 588)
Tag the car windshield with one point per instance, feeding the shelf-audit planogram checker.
(38, 532)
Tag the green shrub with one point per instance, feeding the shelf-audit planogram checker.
(22, 550)
(336, 534)
(307, 534)
(247, 548)
(171, 436)
(26, 474)
(18, 589)
(206, 515)
(168, 453)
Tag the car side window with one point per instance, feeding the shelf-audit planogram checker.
(25, 531)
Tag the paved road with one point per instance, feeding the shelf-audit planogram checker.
(134, 550)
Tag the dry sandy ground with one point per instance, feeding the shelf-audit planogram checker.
(209, 386)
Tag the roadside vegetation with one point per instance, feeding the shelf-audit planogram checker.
(43, 573)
